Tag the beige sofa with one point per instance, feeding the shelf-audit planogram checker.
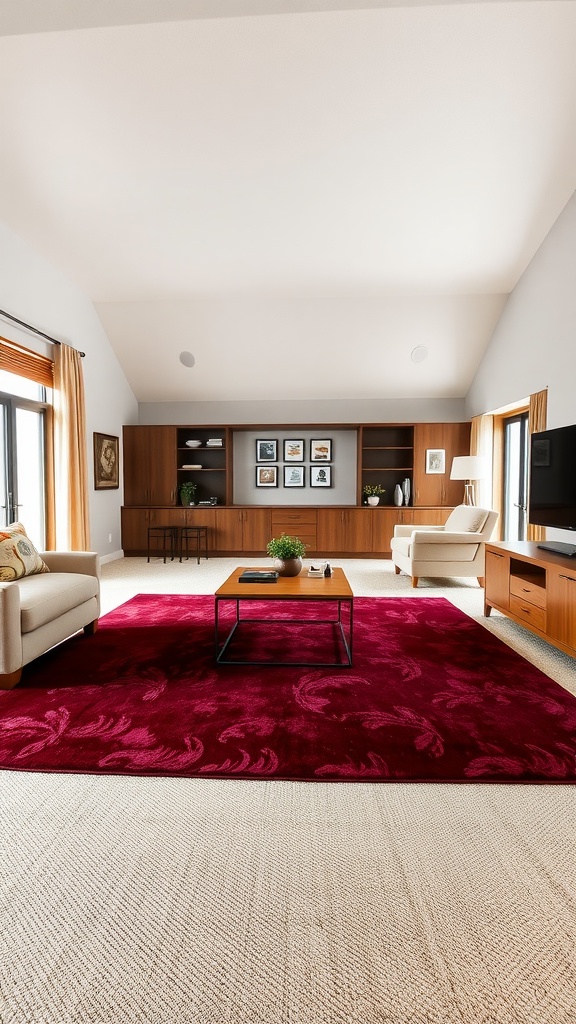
(39, 611)
(455, 549)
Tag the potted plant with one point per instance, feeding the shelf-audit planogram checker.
(287, 553)
(188, 492)
(373, 492)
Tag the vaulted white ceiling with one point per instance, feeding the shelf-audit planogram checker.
(299, 198)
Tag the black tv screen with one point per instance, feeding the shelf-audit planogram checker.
(552, 494)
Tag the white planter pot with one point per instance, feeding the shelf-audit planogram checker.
(373, 499)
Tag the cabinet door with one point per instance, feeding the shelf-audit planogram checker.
(561, 606)
(136, 463)
(135, 523)
(497, 588)
(228, 530)
(162, 465)
(149, 459)
(256, 529)
(344, 531)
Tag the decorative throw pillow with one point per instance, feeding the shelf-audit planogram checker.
(18, 556)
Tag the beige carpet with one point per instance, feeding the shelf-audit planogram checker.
(184, 901)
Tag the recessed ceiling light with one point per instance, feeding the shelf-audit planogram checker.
(187, 359)
(419, 354)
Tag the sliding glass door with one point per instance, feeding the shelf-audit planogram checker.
(23, 458)
(515, 476)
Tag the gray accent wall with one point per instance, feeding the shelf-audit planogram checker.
(343, 468)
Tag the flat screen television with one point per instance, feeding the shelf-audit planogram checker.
(552, 491)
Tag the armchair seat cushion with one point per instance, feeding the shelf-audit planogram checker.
(45, 598)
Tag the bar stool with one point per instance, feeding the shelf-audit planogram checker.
(168, 535)
(196, 533)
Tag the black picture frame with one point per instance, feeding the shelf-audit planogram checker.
(266, 476)
(106, 462)
(266, 449)
(320, 476)
(294, 450)
(321, 449)
(294, 476)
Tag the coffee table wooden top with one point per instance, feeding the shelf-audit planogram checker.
(331, 588)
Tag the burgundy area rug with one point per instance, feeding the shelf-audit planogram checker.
(432, 697)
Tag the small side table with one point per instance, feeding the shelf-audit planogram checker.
(196, 533)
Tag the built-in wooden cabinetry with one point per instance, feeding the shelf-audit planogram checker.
(438, 488)
(157, 460)
(535, 588)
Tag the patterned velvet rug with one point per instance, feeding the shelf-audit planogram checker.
(432, 696)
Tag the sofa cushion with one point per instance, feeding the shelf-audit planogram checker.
(18, 556)
(43, 599)
(466, 519)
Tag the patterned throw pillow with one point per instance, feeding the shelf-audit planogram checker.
(18, 556)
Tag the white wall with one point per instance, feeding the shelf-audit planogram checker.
(414, 410)
(534, 344)
(34, 291)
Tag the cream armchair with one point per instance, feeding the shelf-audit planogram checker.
(455, 549)
(39, 611)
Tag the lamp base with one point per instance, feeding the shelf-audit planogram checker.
(469, 494)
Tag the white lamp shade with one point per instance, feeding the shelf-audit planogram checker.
(468, 467)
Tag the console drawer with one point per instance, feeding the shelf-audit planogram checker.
(524, 588)
(523, 609)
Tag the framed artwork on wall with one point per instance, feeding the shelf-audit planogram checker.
(294, 476)
(266, 450)
(293, 451)
(106, 474)
(266, 476)
(435, 460)
(321, 450)
(320, 476)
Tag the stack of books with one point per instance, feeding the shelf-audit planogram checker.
(214, 442)
(257, 576)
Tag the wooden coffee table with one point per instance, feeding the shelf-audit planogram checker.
(334, 592)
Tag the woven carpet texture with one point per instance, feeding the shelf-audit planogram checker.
(205, 901)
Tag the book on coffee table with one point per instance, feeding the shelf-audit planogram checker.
(258, 576)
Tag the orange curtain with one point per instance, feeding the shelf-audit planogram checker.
(481, 443)
(537, 419)
(72, 519)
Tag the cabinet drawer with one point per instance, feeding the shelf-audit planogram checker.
(528, 612)
(284, 520)
(524, 588)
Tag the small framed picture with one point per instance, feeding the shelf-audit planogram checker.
(293, 476)
(106, 474)
(320, 476)
(266, 450)
(293, 451)
(266, 476)
(321, 450)
(435, 460)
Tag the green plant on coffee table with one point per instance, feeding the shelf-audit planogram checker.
(373, 490)
(285, 547)
(188, 492)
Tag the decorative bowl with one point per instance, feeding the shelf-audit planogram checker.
(193, 444)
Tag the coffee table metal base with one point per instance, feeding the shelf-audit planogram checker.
(344, 629)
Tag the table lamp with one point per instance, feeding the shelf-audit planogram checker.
(468, 468)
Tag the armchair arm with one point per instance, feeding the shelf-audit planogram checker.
(87, 562)
(450, 537)
(10, 629)
(405, 530)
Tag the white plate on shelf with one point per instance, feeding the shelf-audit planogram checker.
(191, 467)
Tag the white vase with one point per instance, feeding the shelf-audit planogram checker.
(398, 496)
(373, 499)
(406, 490)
